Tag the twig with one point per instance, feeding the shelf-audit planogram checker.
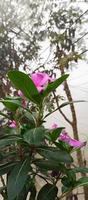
(61, 110)
(80, 38)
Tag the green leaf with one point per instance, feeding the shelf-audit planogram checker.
(12, 98)
(55, 133)
(66, 182)
(52, 86)
(8, 141)
(24, 83)
(47, 192)
(68, 103)
(79, 169)
(69, 180)
(35, 136)
(12, 104)
(5, 168)
(66, 189)
(81, 182)
(30, 118)
(49, 165)
(55, 155)
(63, 146)
(17, 179)
(28, 187)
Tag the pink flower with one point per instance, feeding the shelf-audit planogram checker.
(41, 79)
(54, 126)
(72, 142)
(12, 124)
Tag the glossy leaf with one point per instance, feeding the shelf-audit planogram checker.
(24, 83)
(66, 182)
(49, 165)
(8, 141)
(35, 136)
(55, 155)
(55, 133)
(66, 189)
(47, 192)
(63, 146)
(69, 180)
(82, 181)
(5, 168)
(52, 86)
(67, 186)
(28, 187)
(79, 169)
(12, 104)
(30, 118)
(68, 103)
(17, 179)
(12, 97)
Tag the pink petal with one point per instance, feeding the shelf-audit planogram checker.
(76, 143)
(40, 88)
(12, 124)
(20, 93)
(41, 79)
(45, 79)
(72, 142)
(36, 79)
(54, 126)
(64, 137)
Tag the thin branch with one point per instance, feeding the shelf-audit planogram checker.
(37, 68)
(83, 52)
(62, 113)
(50, 113)
(81, 16)
(48, 56)
(42, 177)
(80, 38)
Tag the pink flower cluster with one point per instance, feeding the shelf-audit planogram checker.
(66, 138)
(41, 79)
(72, 142)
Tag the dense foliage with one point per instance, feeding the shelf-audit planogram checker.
(28, 150)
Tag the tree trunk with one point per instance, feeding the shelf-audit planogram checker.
(75, 129)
